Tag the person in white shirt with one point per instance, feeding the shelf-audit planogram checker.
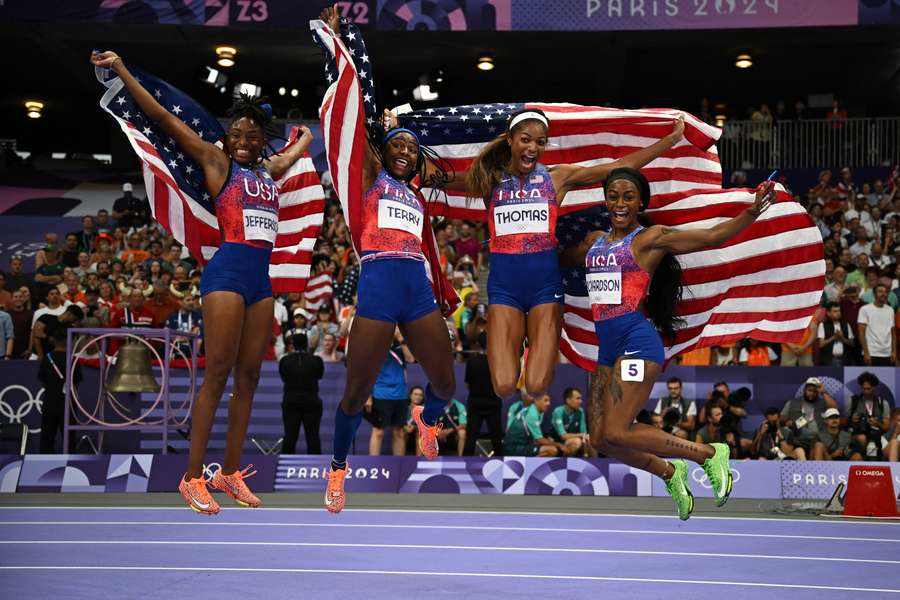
(862, 245)
(876, 330)
(55, 306)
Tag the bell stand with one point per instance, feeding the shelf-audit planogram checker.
(167, 336)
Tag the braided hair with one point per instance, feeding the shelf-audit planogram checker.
(378, 138)
(259, 111)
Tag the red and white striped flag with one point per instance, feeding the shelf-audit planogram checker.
(766, 283)
(175, 187)
(318, 291)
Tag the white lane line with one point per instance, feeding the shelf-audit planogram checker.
(498, 512)
(459, 527)
(440, 547)
(451, 574)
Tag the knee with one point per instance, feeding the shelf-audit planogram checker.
(504, 389)
(215, 375)
(246, 377)
(537, 384)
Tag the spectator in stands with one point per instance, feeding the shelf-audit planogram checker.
(874, 278)
(803, 416)
(850, 306)
(132, 312)
(801, 353)
(835, 288)
(756, 354)
(870, 415)
(845, 188)
(102, 222)
(329, 352)
(134, 254)
(55, 305)
(187, 318)
(107, 294)
(299, 324)
(7, 335)
(15, 278)
(891, 440)
(84, 265)
(70, 288)
(837, 344)
(161, 304)
(51, 374)
(517, 407)
(862, 244)
(570, 425)
(70, 251)
(324, 324)
(822, 193)
(877, 335)
(26, 297)
(468, 245)
(50, 273)
(128, 211)
(85, 237)
(483, 404)
(677, 410)
(773, 441)
(452, 435)
(524, 436)
(156, 251)
(50, 239)
(21, 320)
(49, 327)
(878, 258)
(301, 371)
(833, 443)
(5, 296)
(389, 397)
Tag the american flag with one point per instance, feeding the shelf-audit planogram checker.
(766, 283)
(318, 291)
(347, 110)
(175, 187)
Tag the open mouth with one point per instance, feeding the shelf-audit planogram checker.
(401, 165)
(527, 162)
(241, 154)
(619, 216)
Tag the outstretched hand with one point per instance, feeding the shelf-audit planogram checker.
(332, 18)
(765, 192)
(104, 60)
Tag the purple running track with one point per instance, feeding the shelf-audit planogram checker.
(134, 552)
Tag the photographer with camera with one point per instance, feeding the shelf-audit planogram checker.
(679, 414)
(772, 441)
(803, 416)
(834, 443)
(870, 416)
(713, 432)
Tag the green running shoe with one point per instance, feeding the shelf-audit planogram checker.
(718, 470)
(679, 490)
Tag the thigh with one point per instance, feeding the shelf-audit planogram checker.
(367, 348)
(223, 319)
(256, 333)
(429, 342)
(505, 334)
(624, 399)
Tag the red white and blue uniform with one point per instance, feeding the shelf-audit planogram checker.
(247, 212)
(522, 221)
(393, 282)
(616, 286)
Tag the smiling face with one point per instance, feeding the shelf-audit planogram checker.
(623, 201)
(401, 153)
(245, 141)
(527, 142)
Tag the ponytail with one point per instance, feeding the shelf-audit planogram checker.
(486, 170)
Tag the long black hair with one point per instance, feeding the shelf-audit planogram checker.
(378, 138)
(259, 111)
(665, 286)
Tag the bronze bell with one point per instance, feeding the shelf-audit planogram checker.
(133, 370)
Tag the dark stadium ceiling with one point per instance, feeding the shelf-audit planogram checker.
(861, 65)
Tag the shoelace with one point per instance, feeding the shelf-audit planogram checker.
(333, 477)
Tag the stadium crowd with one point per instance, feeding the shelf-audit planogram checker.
(120, 269)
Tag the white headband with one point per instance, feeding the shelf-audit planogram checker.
(528, 115)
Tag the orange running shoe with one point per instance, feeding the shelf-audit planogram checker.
(334, 493)
(234, 486)
(427, 434)
(198, 496)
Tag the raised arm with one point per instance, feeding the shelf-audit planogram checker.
(674, 241)
(568, 177)
(279, 164)
(574, 256)
(211, 158)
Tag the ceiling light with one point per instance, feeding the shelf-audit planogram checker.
(720, 120)
(486, 62)
(214, 77)
(251, 89)
(295, 92)
(33, 108)
(225, 56)
(743, 61)
(282, 91)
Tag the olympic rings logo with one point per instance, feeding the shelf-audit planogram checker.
(699, 476)
(210, 470)
(17, 416)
